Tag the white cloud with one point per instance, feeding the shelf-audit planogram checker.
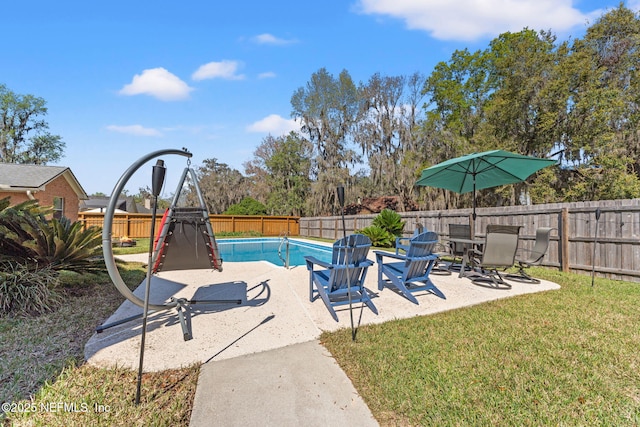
(468, 20)
(634, 5)
(224, 69)
(267, 75)
(159, 83)
(137, 130)
(274, 125)
(267, 38)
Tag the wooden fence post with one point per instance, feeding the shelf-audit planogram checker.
(564, 242)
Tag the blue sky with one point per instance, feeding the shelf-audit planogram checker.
(125, 78)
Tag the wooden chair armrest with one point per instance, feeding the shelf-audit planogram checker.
(311, 261)
(380, 254)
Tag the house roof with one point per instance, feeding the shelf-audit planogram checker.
(17, 177)
(127, 204)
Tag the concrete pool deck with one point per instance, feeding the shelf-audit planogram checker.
(254, 353)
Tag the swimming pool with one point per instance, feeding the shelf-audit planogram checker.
(266, 249)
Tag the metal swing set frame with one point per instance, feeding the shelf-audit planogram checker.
(185, 241)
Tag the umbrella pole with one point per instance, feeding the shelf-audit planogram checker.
(474, 197)
(472, 223)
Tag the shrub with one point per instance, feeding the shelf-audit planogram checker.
(15, 223)
(28, 238)
(248, 206)
(27, 291)
(387, 225)
(64, 245)
(390, 221)
(379, 236)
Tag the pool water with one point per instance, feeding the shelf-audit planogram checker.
(265, 249)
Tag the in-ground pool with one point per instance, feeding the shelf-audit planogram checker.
(271, 249)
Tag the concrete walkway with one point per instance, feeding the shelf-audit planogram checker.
(262, 362)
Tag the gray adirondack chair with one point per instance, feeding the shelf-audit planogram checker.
(409, 273)
(343, 276)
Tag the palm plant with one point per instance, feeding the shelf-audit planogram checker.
(378, 235)
(63, 245)
(28, 237)
(390, 221)
(14, 223)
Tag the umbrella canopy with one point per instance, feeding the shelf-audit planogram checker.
(477, 171)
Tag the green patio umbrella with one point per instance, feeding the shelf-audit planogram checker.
(478, 171)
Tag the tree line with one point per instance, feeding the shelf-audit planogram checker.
(577, 101)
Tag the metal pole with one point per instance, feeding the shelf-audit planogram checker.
(595, 241)
(340, 191)
(157, 181)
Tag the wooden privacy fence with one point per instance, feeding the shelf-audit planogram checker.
(617, 244)
(137, 225)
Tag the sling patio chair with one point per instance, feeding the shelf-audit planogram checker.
(410, 272)
(533, 257)
(341, 281)
(499, 252)
(456, 250)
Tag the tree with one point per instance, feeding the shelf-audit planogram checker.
(289, 180)
(378, 128)
(282, 166)
(598, 140)
(221, 186)
(28, 238)
(610, 90)
(328, 108)
(24, 135)
(527, 107)
(247, 206)
(385, 132)
(145, 193)
(457, 92)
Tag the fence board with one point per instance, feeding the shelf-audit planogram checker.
(139, 225)
(572, 243)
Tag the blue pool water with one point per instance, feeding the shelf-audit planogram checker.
(266, 249)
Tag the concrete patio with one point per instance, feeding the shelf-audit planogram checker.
(274, 318)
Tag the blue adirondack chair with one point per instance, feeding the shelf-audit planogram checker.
(345, 274)
(402, 243)
(410, 272)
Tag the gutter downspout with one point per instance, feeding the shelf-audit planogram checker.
(30, 195)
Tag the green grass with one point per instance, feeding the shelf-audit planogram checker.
(41, 365)
(566, 357)
(142, 246)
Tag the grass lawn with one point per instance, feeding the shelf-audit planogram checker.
(566, 357)
(42, 357)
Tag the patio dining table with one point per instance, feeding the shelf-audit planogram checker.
(469, 244)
